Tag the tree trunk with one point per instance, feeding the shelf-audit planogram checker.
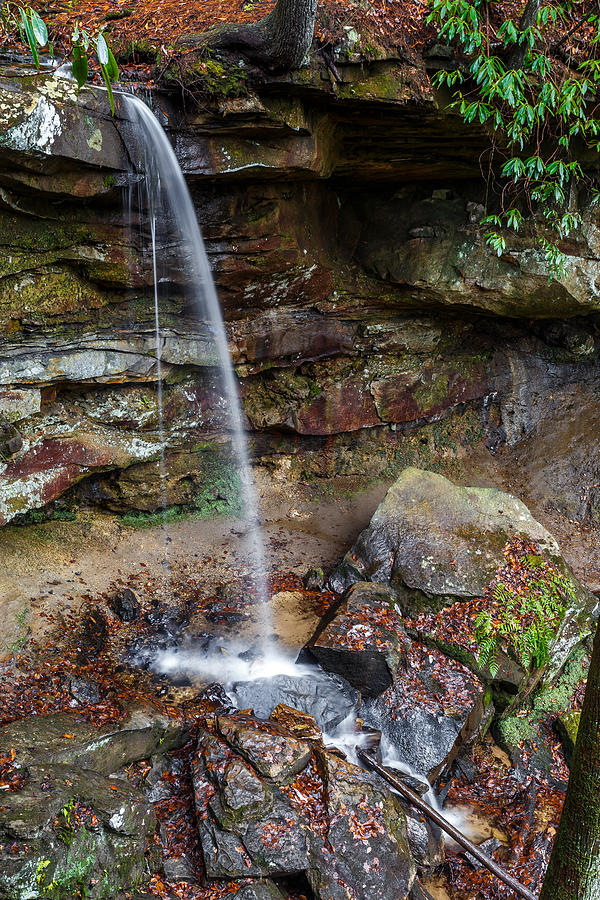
(527, 20)
(574, 869)
(279, 42)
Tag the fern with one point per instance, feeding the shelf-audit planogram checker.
(525, 610)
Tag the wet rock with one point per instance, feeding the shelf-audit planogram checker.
(61, 738)
(337, 824)
(328, 698)
(490, 846)
(246, 826)
(418, 892)
(216, 694)
(260, 890)
(50, 844)
(27, 812)
(83, 690)
(425, 840)
(419, 785)
(367, 834)
(243, 794)
(363, 641)
(303, 725)
(314, 580)
(430, 540)
(94, 632)
(272, 751)
(125, 605)
(433, 708)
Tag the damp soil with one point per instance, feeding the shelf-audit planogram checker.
(55, 567)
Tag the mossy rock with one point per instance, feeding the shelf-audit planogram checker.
(567, 726)
(445, 541)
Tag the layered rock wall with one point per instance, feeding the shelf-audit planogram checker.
(369, 325)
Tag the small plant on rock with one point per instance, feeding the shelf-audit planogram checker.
(527, 603)
(34, 32)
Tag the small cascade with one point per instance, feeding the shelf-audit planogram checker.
(167, 200)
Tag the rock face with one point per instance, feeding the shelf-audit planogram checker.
(385, 352)
(320, 816)
(69, 827)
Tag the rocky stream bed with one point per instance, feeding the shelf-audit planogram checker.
(119, 780)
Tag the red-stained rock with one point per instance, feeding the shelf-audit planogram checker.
(406, 398)
(348, 406)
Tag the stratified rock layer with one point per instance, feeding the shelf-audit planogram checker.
(370, 325)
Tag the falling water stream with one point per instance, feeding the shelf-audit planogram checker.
(168, 199)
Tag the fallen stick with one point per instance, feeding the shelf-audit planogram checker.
(454, 833)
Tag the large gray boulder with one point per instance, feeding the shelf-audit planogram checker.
(433, 541)
(436, 546)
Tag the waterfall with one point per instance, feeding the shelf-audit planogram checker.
(168, 199)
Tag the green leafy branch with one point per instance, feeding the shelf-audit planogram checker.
(34, 32)
(533, 107)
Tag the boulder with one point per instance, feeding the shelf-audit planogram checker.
(246, 826)
(274, 753)
(437, 546)
(367, 835)
(125, 605)
(425, 705)
(362, 643)
(63, 738)
(69, 830)
(425, 839)
(66, 828)
(433, 708)
(432, 541)
(328, 698)
(303, 725)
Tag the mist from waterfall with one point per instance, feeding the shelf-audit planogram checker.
(167, 200)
